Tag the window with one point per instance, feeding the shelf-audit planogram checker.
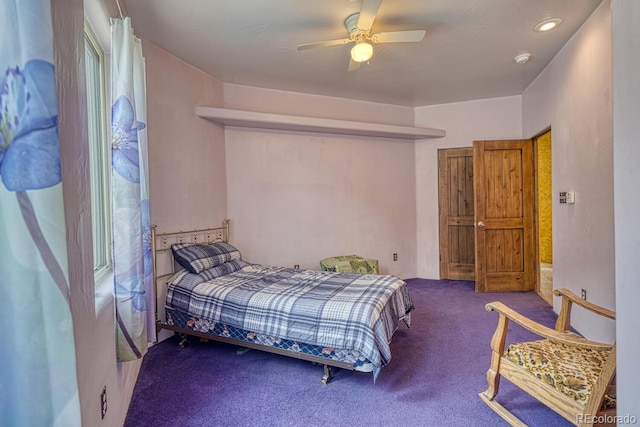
(98, 154)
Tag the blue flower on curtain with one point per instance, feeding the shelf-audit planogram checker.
(29, 150)
(38, 363)
(146, 238)
(124, 128)
(133, 286)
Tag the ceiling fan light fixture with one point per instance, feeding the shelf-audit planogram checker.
(548, 24)
(362, 52)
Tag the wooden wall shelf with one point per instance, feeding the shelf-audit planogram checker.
(252, 119)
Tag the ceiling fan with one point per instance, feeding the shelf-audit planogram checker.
(359, 30)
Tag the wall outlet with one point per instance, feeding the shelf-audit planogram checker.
(103, 401)
(584, 294)
(395, 256)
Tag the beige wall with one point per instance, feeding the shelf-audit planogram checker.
(298, 197)
(573, 96)
(327, 107)
(186, 153)
(626, 133)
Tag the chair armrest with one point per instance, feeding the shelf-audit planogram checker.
(568, 298)
(566, 293)
(543, 331)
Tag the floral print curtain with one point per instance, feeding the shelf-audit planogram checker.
(38, 383)
(135, 322)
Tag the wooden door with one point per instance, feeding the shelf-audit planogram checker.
(455, 198)
(504, 215)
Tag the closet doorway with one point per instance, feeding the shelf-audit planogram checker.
(544, 203)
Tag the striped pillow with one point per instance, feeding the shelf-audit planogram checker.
(197, 258)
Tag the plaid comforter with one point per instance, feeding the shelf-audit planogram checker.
(338, 310)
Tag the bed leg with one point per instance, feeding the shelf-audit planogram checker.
(327, 374)
(184, 340)
(242, 350)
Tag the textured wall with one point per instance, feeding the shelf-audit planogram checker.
(187, 181)
(298, 197)
(626, 156)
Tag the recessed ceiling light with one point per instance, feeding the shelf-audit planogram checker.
(548, 24)
(522, 58)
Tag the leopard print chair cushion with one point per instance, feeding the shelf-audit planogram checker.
(573, 371)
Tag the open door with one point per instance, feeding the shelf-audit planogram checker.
(504, 215)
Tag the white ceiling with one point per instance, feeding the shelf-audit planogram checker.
(467, 52)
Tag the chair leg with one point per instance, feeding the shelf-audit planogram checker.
(493, 374)
(497, 348)
(493, 379)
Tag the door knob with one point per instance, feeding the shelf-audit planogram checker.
(480, 224)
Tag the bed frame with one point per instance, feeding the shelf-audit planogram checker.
(164, 266)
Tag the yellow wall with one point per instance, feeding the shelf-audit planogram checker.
(545, 197)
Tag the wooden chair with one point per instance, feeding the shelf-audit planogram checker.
(571, 375)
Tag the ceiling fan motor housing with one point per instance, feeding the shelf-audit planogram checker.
(351, 24)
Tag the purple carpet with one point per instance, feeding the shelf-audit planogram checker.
(438, 369)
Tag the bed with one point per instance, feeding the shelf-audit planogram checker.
(204, 288)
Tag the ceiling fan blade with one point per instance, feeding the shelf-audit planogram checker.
(398, 36)
(353, 65)
(368, 13)
(323, 44)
